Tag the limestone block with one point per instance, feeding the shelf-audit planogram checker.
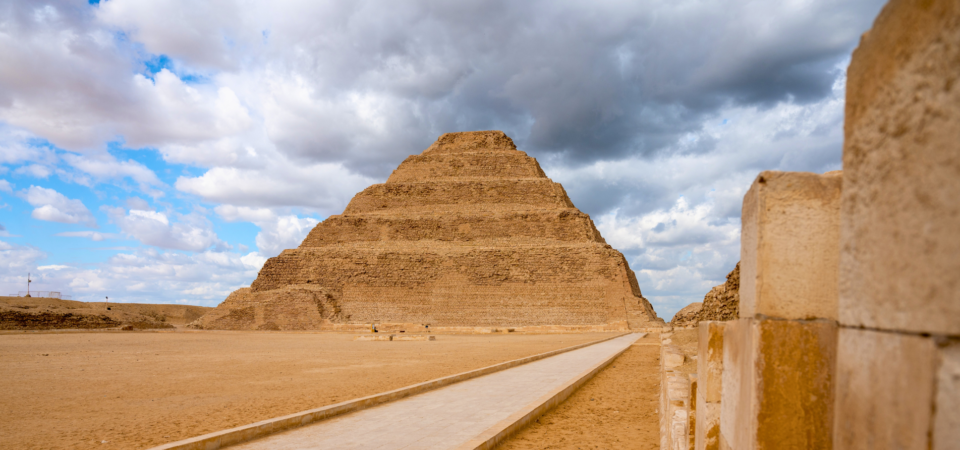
(885, 386)
(901, 160)
(789, 245)
(707, 434)
(778, 384)
(710, 360)
(672, 357)
(946, 427)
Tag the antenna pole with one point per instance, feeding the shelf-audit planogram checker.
(28, 284)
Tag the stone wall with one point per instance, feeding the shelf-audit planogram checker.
(899, 289)
(848, 334)
(471, 233)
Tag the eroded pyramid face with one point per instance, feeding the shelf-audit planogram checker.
(469, 233)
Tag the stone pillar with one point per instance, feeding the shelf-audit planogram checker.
(709, 385)
(779, 357)
(898, 373)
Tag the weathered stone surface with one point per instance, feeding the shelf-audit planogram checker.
(687, 316)
(885, 390)
(778, 380)
(469, 233)
(707, 435)
(946, 426)
(709, 385)
(789, 246)
(901, 160)
(710, 360)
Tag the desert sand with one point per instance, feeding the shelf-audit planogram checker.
(617, 409)
(140, 389)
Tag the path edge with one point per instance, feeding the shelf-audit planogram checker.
(256, 430)
(500, 432)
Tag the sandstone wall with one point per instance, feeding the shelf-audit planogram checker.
(469, 233)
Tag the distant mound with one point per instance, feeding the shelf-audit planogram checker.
(470, 233)
(722, 303)
(687, 316)
(38, 313)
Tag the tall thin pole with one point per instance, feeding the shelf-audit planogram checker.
(28, 284)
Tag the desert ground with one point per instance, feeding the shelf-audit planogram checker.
(617, 409)
(129, 390)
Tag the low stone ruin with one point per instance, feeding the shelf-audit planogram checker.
(470, 233)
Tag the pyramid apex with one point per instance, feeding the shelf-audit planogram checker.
(471, 141)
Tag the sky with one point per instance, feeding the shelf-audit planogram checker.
(161, 151)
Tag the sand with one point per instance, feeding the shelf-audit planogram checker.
(617, 409)
(141, 389)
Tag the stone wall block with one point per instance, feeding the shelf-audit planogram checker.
(710, 360)
(778, 378)
(901, 162)
(708, 425)
(885, 388)
(789, 246)
(946, 427)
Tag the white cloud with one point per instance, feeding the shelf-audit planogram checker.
(92, 235)
(323, 187)
(34, 170)
(55, 207)
(277, 232)
(145, 276)
(105, 167)
(191, 232)
(5, 186)
(286, 232)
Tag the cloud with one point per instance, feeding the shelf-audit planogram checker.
(92, 235)
(191, 232)
(105, 167)
(654, 115)
(34, 170)
(55, 207)
(277, 232)
(143, 276)
(323, 187)
(5, 186)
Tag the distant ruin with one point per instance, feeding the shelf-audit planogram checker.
(470, 233)
(721, 303)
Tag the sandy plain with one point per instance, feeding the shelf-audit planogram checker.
(616, 409)
(129, 390)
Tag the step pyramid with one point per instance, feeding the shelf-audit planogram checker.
(470, 233)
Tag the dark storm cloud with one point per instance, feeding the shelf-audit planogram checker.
(579, 82)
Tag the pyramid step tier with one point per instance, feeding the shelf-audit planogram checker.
(493, 195)
(565, 225)
(512, 164)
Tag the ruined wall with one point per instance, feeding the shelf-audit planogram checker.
(722, 303)
(469, 233)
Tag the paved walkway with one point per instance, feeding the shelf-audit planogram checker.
(447, 417)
